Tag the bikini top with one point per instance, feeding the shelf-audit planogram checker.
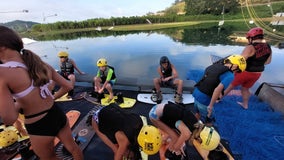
(44, 91)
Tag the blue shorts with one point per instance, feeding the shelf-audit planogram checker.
(202, 110)
(153, 113)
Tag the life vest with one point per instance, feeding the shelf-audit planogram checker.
(180, 113)
(167, 72)
(112, 118)
(256, 62)
(67, 68)
(103, 74)
(210, 79)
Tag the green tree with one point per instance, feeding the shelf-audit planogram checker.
(215, 7)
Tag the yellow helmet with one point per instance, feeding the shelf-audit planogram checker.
(238, 60)
(210, 138)
(149, 139)
(8, 137)
(102, 62)
(63, 54)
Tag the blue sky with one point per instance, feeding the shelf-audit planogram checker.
(44, 11)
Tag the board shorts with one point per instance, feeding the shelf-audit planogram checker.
(169, 83)
(246, 79)
(50, 124)
(202, 110)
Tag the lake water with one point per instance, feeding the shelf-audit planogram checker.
(137, 55)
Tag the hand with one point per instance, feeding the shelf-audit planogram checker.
(209, 110)
(101, 90)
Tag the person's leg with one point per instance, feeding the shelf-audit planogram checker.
(157, 82)
(71, 77)
(97, 84)
(109, 89)
(65, 136)
(245, 96)
(178, 96)
(179, 84)
(43, 146)
(158, 95)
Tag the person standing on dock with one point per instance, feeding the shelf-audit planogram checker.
(67, 66)
(168, 78)
(257, 54)
(217, 77)
(105, 76)
(28, 80)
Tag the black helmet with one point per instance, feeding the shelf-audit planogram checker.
(164, 59)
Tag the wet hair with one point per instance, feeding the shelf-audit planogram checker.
(37, 69)
(217, 155)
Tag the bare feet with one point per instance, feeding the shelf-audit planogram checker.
(240, 103)
(110, 98)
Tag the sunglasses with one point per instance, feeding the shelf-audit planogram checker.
(62, 57)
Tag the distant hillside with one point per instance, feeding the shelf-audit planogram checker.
(19, 26)
(177, 8)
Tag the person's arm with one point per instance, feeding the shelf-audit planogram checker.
(174, 72)
(65, 85)
(185, 134)
(169, 131)
(104, 138)
(160, 72)
(268, 61)
(8, 111)
(215, 96)
(123, 144)
(248, 51)
(75, 66)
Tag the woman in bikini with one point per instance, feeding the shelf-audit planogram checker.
(28, 80)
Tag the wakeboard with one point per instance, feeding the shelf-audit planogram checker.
(65, 97)
(82, 133)
(146, 98)
(126, 103)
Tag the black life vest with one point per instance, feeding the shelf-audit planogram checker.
(256, 62)
(112, 118)
(210, 79)
(67, 67)
(103, 74)
(180, 113)
(167, 72)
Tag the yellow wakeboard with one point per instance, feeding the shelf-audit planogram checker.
(64, 98)
(127, 102)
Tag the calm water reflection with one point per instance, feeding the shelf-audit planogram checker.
(137, 55)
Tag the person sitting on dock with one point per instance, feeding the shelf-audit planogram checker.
(106, 77)
(217, 77)
(125, 133)
(168, 78)
(181, 126)
(67, 66)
